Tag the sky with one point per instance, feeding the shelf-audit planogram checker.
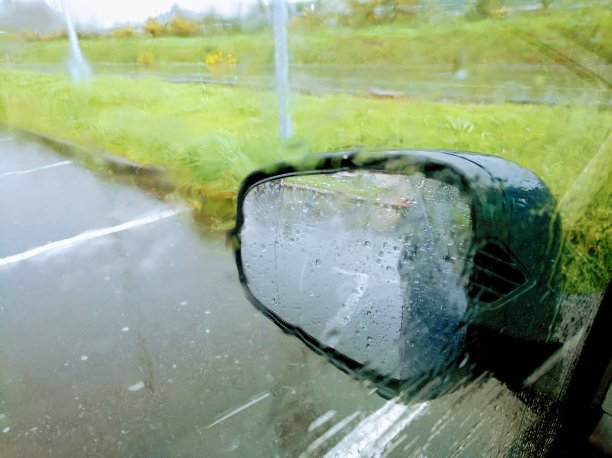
(108, 12)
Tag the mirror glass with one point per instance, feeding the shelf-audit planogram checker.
(368, 263)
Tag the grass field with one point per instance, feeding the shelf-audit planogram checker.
(584, 34)
(210, 137)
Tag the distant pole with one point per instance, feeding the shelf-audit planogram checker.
(78, 66)
(280, 19)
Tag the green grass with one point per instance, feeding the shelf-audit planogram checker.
(210, 137)
(585, 34)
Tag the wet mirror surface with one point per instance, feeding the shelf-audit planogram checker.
(370, 264)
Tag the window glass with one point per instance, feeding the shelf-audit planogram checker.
(126, 129)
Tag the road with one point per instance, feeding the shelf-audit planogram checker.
(124, 332)
(515, 83)
(117, 320)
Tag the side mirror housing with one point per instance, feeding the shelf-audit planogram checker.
(415, 270)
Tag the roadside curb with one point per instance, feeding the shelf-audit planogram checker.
(152, 178)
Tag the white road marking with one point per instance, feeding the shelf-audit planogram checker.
(303, 273)
(375, 432)
(261, 397)
(37, 169)
(88, 235)
(321, 420)
(329, 433)
(349, 308)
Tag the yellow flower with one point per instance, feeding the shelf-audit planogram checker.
(145, 59)
(212, 59)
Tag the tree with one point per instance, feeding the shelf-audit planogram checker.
(183, 27)
(153, 27)
(485, 8)
(362, 12)
(124, 32)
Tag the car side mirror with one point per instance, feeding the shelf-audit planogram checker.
(415, 270)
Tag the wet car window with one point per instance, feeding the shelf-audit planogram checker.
(126, 131)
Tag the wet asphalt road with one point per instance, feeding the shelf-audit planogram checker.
(124, 332)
